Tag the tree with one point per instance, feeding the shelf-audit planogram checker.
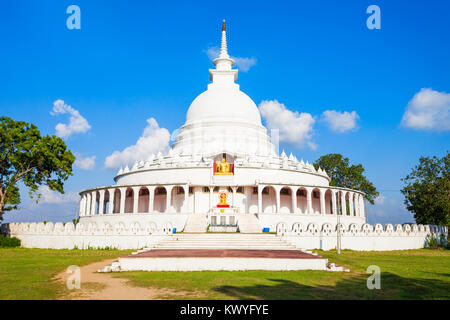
(27, 157)
(344, 175)
(427, 190)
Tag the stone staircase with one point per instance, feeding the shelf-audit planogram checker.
(202, 251)
(196, 223)
(248, 223)
(195, 241)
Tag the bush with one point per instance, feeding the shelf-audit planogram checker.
(432, 243)
(9, 242)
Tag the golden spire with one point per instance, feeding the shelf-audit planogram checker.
(223, 26)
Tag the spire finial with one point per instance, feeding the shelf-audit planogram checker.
(223, 65)
(223, 44)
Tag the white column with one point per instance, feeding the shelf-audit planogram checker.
(112, 193)
(197, 197)
(168, 198)
(363, 213)
(350, 202)
(135, 199)
(93, 200)
(101, 201)
(322, 200)
(211, 195)
(343, 205)
(309, 200)
(294, 199)
(88, 204)
(151, 198)
(123, 192)
(260, 189)
(234, 197)
(186, 199)
(82, 200)
(333, 202)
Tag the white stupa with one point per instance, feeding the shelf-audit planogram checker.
(222, 171)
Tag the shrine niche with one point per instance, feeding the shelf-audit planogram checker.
(223, 165)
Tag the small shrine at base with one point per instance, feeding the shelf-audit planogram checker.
(223, 216)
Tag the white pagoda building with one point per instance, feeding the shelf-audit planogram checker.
(222, 173)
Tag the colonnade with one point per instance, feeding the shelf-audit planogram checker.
(261, 198)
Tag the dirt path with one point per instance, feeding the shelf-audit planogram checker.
(104, 286)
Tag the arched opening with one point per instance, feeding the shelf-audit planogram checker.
(160, 199)
(328, 202)
(105, 203)
(223, 164)
(286, 200)
(97, 202)
(129, 200)
(117, 195)
(144, 196)
(339, 202)
(315, 198)
(347, 203)
(177, 198)
(268, 200)
(302, 203)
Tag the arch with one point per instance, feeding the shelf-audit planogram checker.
(347, 203)
(159, 203)
(143, 200)
(315, 200)
(97, 202)
(129, 200)
(302, 202)
(286, 200)
(177, 198)
(268, 200)
(106, 203)
(117, 198)
(328, 202)
(339, 202)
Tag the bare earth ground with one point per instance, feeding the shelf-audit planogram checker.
(104, 286)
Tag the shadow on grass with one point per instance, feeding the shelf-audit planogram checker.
(352, 287)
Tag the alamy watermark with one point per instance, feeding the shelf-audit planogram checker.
(374, 280)
(374, 20)
(74, 20)
(74, 280)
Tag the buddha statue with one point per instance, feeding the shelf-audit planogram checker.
(223, 168)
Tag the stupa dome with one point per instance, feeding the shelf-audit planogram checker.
(223, 104)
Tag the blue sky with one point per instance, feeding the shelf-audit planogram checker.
(131, 61)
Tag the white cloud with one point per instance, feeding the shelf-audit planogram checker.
(380, 199)
(77, 123)
(294, 127)
(428, 110)
(49, 196)
(153, 140)
(85, 163)
(340, 121)
(242, 63)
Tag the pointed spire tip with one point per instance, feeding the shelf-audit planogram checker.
(223, 26)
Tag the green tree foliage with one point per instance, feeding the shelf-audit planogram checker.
(344, 175)
(27, 157)
(427, 190)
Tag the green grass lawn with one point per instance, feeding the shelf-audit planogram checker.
(28, 273)
(411, 274)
